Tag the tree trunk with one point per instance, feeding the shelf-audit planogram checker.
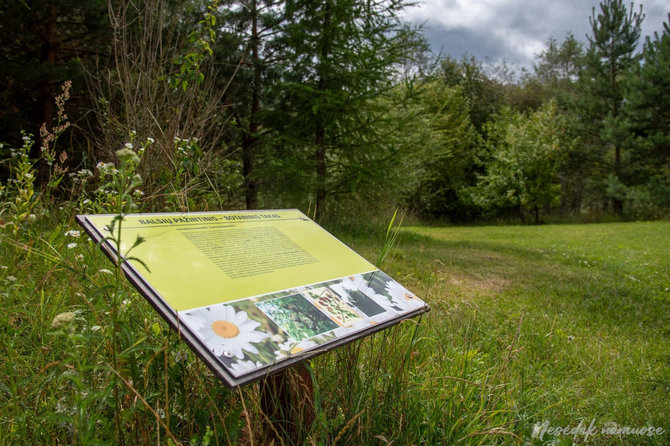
(617, 203)
(320, 131)
(48, 55)
(250, 139)
(320, 169)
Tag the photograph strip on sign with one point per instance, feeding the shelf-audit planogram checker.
(245, 338)
(254, 333)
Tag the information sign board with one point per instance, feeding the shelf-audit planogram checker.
(253, 292)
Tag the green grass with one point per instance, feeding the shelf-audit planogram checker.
(590, 303)
(557, 323)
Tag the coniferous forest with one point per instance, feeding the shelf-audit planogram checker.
(333, 106)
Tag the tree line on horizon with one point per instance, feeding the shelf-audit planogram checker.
(339, 107)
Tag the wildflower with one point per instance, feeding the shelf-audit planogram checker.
(127, 154)
(285, 348)
(10, 279)
(79, 257)
(62, 320)
(150, 140)
(225, 331)
(242, 367)
(129, 145)
(302, 346)
(28, 175)
(71, 245)
(72, 233)
(86, 201)
(138, 193)
(5, 267)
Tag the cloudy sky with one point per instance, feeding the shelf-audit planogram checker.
(513, 30)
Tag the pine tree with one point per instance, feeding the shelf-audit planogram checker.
(610, 58)
(43, 44)
(649, 113)
(249, 53)
(341, 57)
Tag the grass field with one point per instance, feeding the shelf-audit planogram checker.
(556, 324)
(584, 307)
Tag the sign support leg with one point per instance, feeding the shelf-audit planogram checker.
(287, 400)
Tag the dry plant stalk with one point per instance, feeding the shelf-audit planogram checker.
(134, 95)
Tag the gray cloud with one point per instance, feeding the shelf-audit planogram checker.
(513, 30)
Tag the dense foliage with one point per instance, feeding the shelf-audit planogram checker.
(332, 105)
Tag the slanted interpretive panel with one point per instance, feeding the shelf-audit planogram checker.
(253, 292)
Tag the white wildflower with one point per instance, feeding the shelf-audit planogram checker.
(11, 279)
(62, 320)
(71, 245)
(73, 233)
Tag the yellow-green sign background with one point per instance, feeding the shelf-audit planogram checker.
(186, 278)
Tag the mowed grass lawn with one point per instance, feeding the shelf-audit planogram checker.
(572, 321)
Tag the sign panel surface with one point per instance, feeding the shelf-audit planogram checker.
(253, 291)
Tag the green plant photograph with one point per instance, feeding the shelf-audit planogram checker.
(297, 316)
